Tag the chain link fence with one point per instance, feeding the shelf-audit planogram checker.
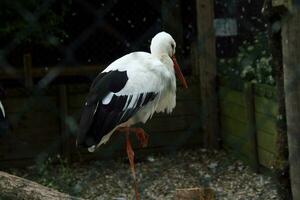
(50, 48)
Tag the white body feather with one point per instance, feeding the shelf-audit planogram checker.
(146, 73)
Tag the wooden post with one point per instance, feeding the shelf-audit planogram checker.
(273, 14)
(27, 59)
(251, 135)
(63, 105)
(291, 69)
(207, 68)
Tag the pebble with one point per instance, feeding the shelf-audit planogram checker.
(160, 174)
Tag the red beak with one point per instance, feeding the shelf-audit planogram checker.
(179, 73)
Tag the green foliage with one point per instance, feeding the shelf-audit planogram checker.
(33, 21)
(253, 62)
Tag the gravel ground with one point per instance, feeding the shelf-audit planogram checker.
(158, 177)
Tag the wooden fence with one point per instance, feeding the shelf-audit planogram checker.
(42, 122)
(249, 131)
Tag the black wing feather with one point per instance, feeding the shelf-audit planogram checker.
(99, 119)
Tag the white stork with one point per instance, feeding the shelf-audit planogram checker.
(128, 91)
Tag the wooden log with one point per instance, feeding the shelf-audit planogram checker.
(291, 66)
(14, 187)
(195, 194)
(208, 72)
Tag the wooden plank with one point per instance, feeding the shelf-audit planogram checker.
(234, 111)
(24, 134)
(266, 91)
(291, 59)
(266, 158)
(267, 141)
(31, 120)
(36, 104)
(171, 124)
(236, 84)
(15, 149)
(232, 126)
(186, 108)
(20, 92)
(78, 88)
(233, 96)
(240, 148)
(156, 140)
(208, 72)
(191, 93)
(61, 71)
(266, 106)
(21, 143)
(237, 144)
(16, 163)
(266, 123)
(175, 138)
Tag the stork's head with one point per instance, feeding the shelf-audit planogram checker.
(163, 44)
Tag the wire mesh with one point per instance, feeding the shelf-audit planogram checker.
(62, 35)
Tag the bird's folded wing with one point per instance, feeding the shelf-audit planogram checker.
(114, 97)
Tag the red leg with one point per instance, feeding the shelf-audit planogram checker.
(142, 136)
(130, 154)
